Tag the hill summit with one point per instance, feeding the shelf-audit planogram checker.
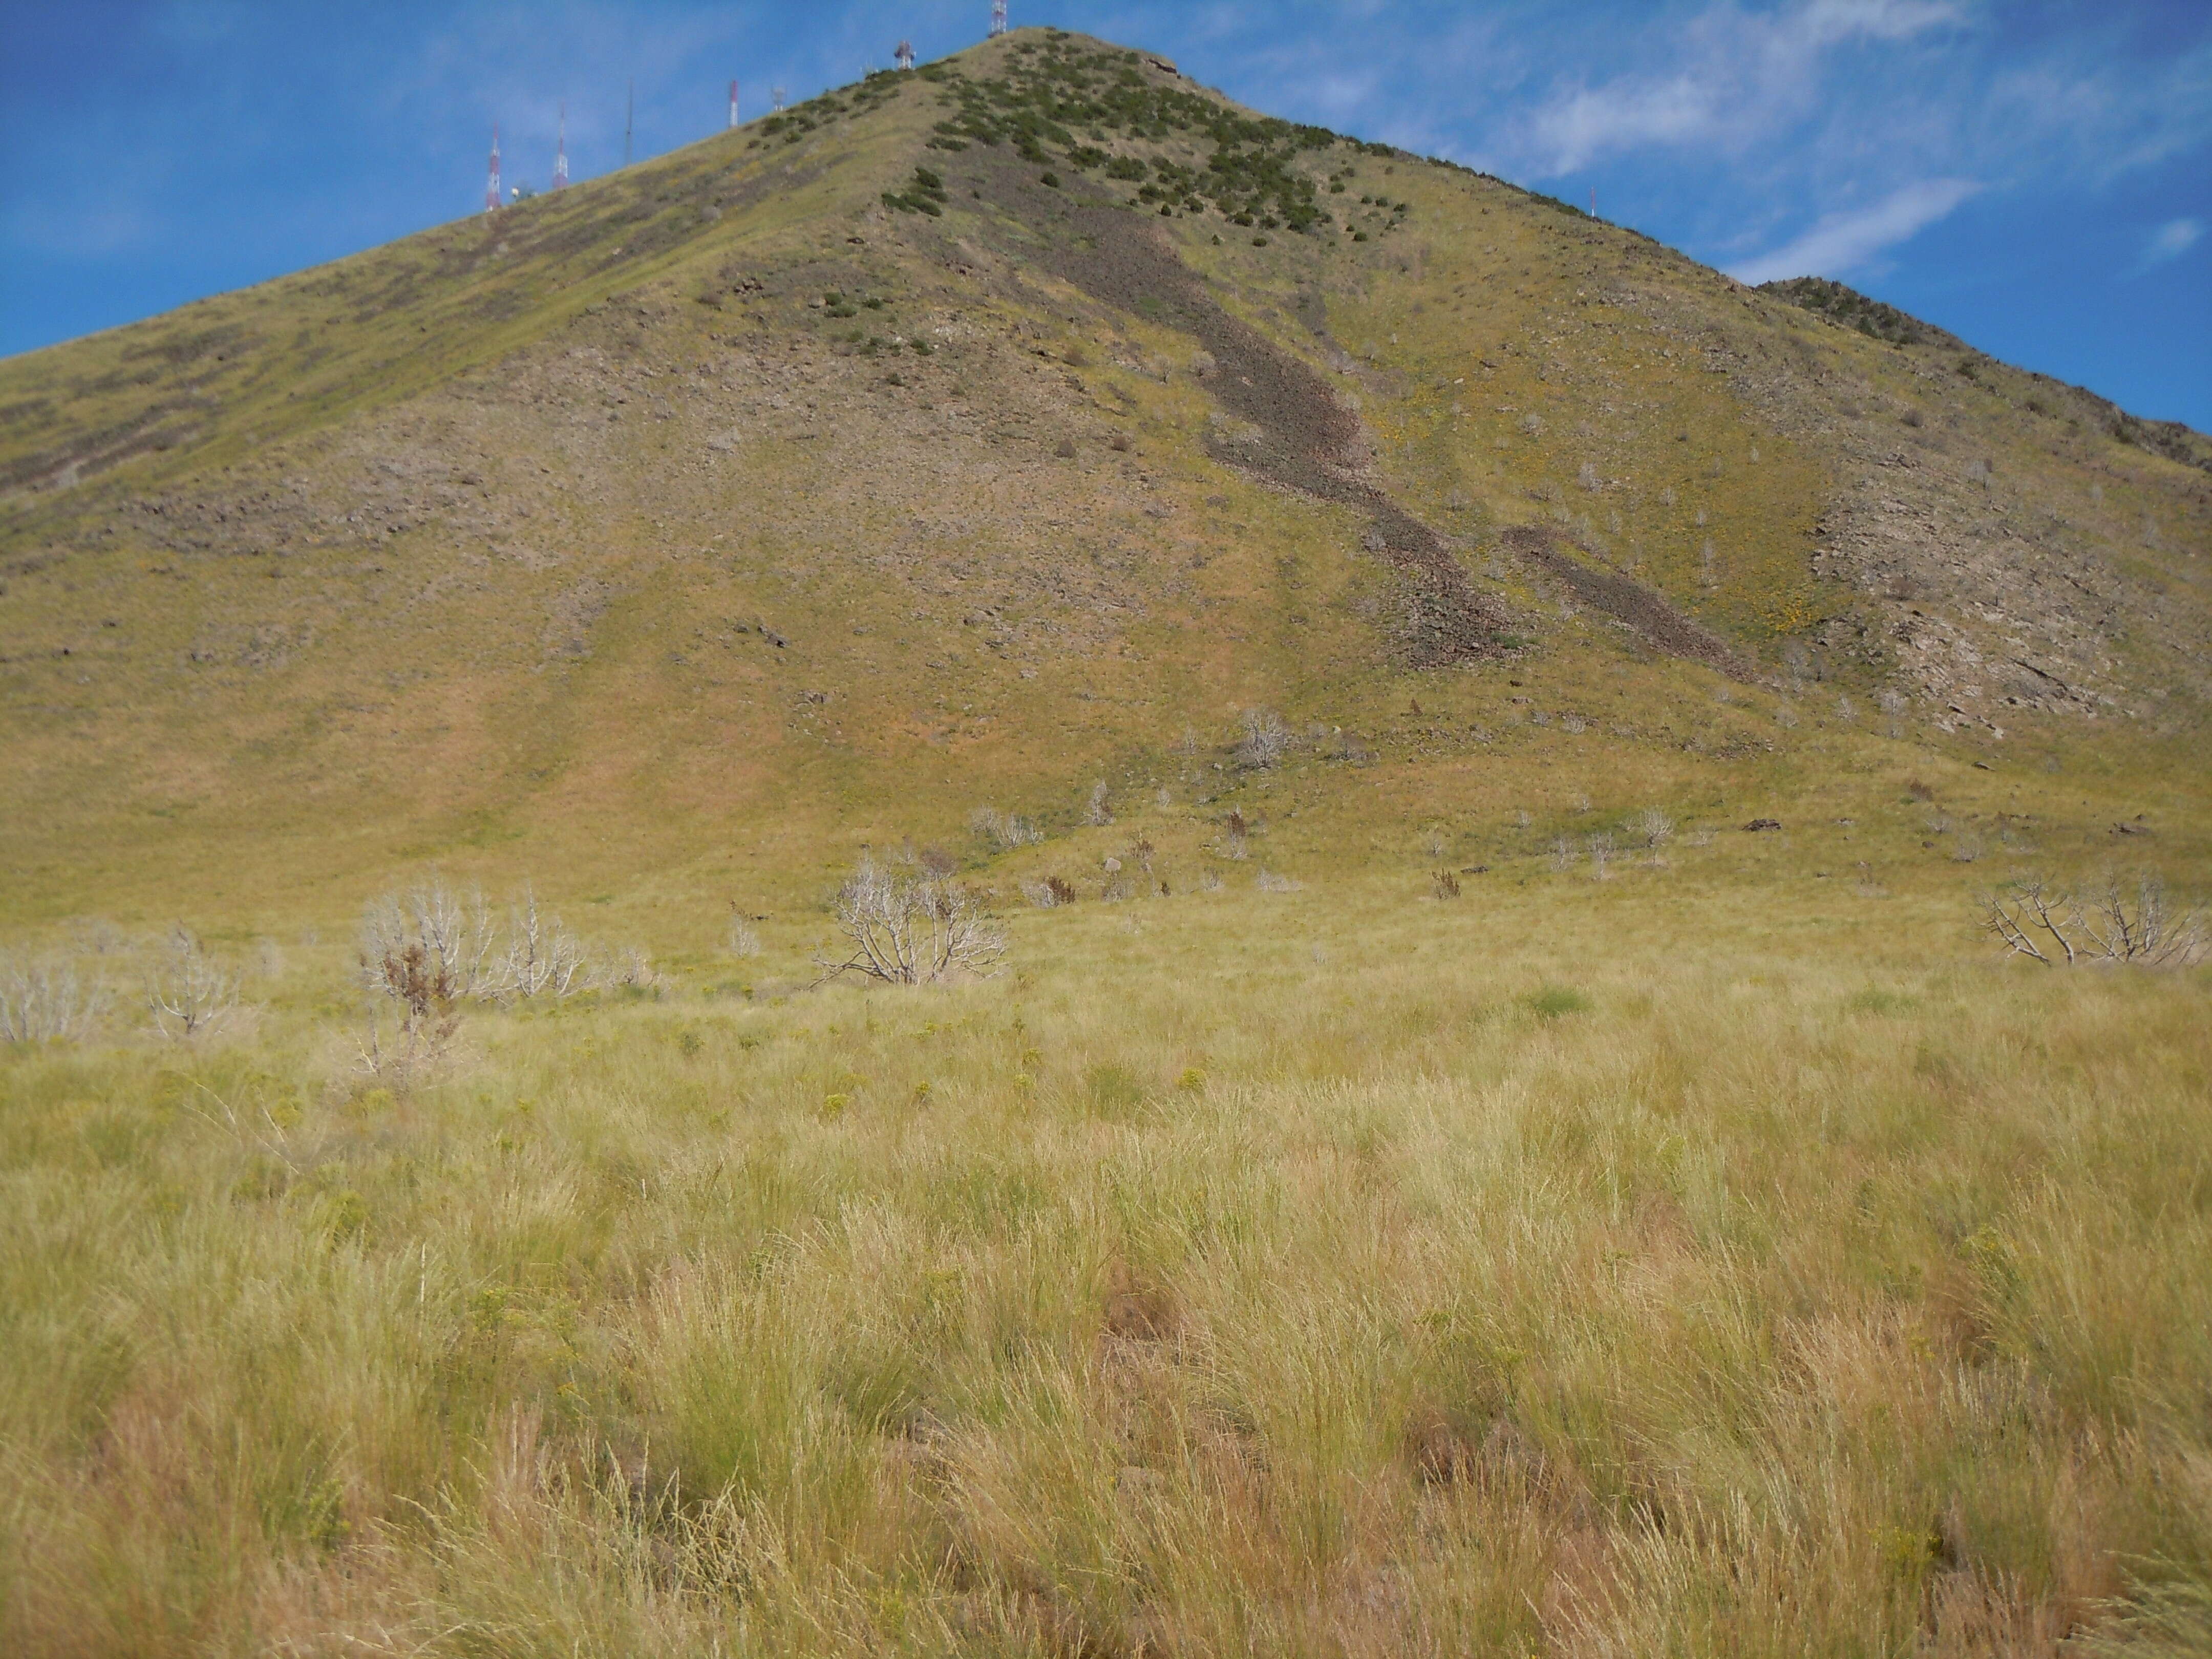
(1004, 436)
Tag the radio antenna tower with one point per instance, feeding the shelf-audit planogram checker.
(998, 16)
(560, 151)
(733, 104)
(775, 94)
(903, 56)
(491, 186)
(629, 121)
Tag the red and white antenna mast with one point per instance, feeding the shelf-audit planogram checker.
(998, 16)
(903, 56)
(560, 151)
(733, 104)
(492, 189)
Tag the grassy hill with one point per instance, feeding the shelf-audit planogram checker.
(1431, 1177)
(486, 540)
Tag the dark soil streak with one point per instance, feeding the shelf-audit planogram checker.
(1307, 442)
(1626, 601)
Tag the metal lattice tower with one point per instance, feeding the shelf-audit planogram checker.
(560, 152)
(903, 56)
(491, 187)
(998, 16)
(776, 94)
(733, 104)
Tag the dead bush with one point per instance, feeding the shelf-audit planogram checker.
(187, 990)
(911, 929)
(1600, 854)
(1051, 892)
(543, 958)
(459, 937)
(1444, 884)
(1652, 828)
(1266, 740)
(465, 946)
(426, 994)
(2121, 919)
(1003, 829)
(44, 1000)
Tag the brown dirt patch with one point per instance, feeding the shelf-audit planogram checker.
(1626, 601)
(1306, 441)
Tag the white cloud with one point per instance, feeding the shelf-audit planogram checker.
(1841, 242)
(1735, 76)
(2173, 239)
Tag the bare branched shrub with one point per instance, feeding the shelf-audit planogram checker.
(187, 990)
(1652, 828)
(1003, 829)
(1268, 882)
(1051, 892)
(1562, 854)
(633, 971)
(1265, 741)
(1444, 884)
(1099, 811)
(543, 958)
(1434, 841)
(459, 937)
(426, 992)
(1234, 831)
(741, 940)
(44, 1000)
(2124, 921)
(912, 929)
(1210, 881)
(466, 947)
(1600, 854)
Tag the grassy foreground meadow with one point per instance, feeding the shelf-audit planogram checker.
(1574, 1268)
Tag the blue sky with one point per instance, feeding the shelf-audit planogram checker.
(2034, 175)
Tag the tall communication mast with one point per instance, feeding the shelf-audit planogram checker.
(733, 104)
(775, 96)
(629, 121)
(560, 151)
(903, 55)
(998, 16)
(491, 188)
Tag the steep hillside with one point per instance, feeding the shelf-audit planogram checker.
(975, 437)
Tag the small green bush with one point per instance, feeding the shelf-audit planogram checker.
(1555, 1001)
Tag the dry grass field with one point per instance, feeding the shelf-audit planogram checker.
(1427, 1177)
(1706, 1258)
